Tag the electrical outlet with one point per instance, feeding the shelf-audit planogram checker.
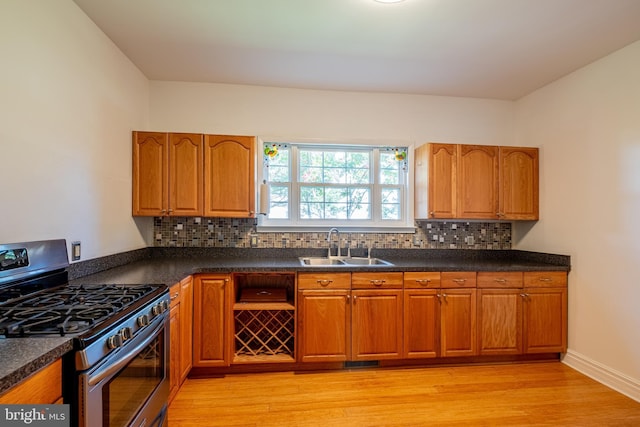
(254, 241)
(75, 251)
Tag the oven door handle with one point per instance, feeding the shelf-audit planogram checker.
(110, 369)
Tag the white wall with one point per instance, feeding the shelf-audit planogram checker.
(296, 113)
(588, 127)
(69, 100)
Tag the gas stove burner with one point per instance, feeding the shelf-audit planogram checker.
(68, 309)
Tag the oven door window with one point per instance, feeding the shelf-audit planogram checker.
(130, 388)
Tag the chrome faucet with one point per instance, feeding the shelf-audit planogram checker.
(331, 231)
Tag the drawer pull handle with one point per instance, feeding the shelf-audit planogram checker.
(545, 279)
(423, 281)
(500, 280)
(174, 296)
(377, 282)
(459, 280)
(324, 282)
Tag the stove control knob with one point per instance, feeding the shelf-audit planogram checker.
(143, 320)
(155, 310)
(114, 341)
(126, 333)
(165, 305)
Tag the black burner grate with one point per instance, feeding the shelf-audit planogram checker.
(68, 309)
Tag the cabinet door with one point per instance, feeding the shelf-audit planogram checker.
(42, 387)
(545, 320)
(376, 325)
(150, 174)
(211, 321)
(442, 181)
(421, 323)
(477, 182)
(518, 183)
(324, 325)
(186, 174)
(500, 321)
(229, 170)
(186, 327)
(174, 350)
(458, 322)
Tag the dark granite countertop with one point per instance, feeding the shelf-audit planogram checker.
(169, 266)
(24, 356)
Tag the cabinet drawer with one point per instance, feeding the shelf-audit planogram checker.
(324, 280)
(458, 279)
(545, 279)
(388, 280)
(491, 279)
(421, 280)
(174, 293)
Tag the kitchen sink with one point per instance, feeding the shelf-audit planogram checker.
(366, 261)
(312, 261)
(342, 262)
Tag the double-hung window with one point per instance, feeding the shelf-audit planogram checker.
(350, 186)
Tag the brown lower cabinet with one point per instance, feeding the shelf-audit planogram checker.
(180, 334)
(365, 316)
(324, 317)
(42, 387)
(212, 321)
(344, 316)
(522, 313)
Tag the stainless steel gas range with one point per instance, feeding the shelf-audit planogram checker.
(118, 372)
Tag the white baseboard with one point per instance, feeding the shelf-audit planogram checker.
(603, 374)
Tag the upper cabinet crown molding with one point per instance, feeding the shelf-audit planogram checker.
(455, 181)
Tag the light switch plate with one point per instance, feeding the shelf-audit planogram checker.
(75, 251)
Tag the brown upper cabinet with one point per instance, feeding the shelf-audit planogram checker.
(476, 182)
(180, 174)
(229, 170)
(519, 194)
(167, 174)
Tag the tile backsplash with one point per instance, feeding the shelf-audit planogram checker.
(240, 233)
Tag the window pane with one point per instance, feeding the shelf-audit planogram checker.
(278, 170)
(335, 175)
(279, 202)
(311, 202)
(389, 168)
(391, 203)
(310, 174)
(359, 203)
(390, 211)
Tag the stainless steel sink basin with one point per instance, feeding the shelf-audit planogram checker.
(366, 261)
(312, 261)
(342, 262)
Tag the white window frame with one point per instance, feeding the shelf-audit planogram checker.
(376, 225)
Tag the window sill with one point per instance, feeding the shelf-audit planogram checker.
(343, 229)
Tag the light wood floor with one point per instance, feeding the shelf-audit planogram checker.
(550, 394)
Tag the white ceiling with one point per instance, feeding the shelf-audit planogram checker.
(502, 49)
